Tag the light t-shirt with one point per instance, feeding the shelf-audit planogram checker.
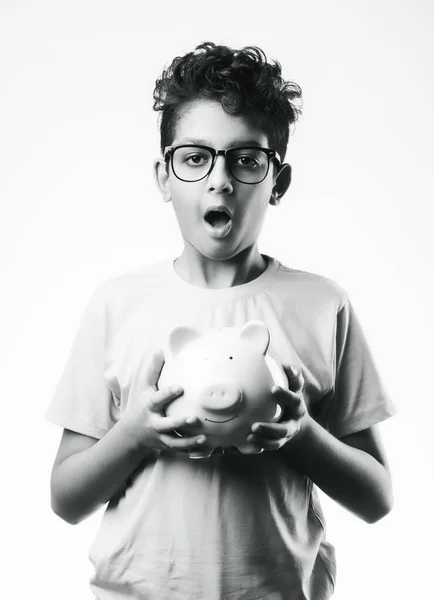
(230, 527)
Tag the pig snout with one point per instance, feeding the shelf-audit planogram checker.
(220, 398)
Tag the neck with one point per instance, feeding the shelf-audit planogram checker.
(211, 273)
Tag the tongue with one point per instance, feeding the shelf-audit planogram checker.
(217, 218)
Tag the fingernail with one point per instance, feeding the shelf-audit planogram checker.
(294, 370)
(176, 389)
(275, 389)
(190, 420)
(256, 427)
(201, 440)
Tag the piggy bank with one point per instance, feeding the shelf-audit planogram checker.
(227, 377)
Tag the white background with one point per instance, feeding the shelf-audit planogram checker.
(79, 205)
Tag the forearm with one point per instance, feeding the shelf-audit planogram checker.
(86, 480)
(349, 475)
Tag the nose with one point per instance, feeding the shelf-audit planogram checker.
(219, 178)
(221, 398)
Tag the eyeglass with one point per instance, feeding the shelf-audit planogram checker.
(248, 164)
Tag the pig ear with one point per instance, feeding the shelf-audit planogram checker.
(180, 336)
(257, 334)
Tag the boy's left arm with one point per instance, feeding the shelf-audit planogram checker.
(352, 470)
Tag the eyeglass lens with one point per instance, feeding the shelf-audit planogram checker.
(247, 165)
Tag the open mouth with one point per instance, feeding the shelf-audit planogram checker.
(218, 220)
(227, 420)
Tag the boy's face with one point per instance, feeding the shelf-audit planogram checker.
(206, 123)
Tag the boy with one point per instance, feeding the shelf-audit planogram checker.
(232, 526)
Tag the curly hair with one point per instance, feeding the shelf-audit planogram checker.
(241, 80)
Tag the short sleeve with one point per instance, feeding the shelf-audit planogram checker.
(82, 400)
(359, 398)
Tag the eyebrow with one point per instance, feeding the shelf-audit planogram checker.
(234, 143)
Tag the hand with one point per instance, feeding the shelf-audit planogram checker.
(272, 436)
(155, 430)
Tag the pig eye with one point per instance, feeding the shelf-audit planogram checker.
(231, 358)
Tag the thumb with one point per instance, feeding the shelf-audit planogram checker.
(295, 377)
(154, 369)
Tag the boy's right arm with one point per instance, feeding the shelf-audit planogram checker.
(87, 472)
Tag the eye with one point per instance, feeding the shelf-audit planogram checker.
(247, 161)
(231, 358)
(195, 160)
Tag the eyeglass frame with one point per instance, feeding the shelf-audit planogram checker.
(170, 150)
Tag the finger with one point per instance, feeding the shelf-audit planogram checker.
(168, 424)
(154, 369)
(295, 377)
(276, 430)
(290, 401)
(160, 399)
(266, 443)
(183, 443)
(254, 449)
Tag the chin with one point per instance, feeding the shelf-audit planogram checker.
(221, 249)
(220, 254)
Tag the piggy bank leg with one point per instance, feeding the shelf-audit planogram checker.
(250, 449)
(205, 453)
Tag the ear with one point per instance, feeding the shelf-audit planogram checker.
(281, 183)
(161, 176)
(257, 334)
(181, 336)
